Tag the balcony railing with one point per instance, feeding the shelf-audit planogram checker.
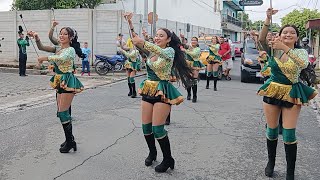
(230, 19)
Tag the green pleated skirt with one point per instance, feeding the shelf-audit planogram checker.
(169, 94)
(67, 82)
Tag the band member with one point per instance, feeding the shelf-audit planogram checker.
(284, 93)
(193, 54)
(158, 94)
(22, 44)
(214, 62)
(132, 65)
(64, 81)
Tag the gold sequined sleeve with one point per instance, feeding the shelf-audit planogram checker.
(194, 53)
(68, 54)
(167, 53)
(300, 57)
(132, 55)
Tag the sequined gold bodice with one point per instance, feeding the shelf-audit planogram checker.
(297, 61)
(162, 66)
(64, 59)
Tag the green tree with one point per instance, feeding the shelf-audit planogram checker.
(300, 19)
(89, 3)
(57, 4)
(246, 22)
(257, 25)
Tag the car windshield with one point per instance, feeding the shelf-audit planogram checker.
(251, 47)
(238, 45)
(252, 50)
(203, 46)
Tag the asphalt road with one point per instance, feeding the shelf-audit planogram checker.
(220, 137)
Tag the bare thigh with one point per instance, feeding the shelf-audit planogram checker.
(58, 100)
(215, 67)
(160, 113)
(146, 112)
(65, 101)
(290, 116)
(195, 73)
(209, 67)
(272, 114)
(133, 74)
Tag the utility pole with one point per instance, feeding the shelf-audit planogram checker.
(242, 33)
(135, 6)
(145, 14)
(154, 24)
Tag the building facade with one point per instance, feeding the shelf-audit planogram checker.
(231, 23)
(204, 13)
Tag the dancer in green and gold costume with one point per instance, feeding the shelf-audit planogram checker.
(214, 61)
(64, 81)
(193, 54)
(158, 94)
(132, 65)
(283, 92)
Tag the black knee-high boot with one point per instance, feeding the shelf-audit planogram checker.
(70, 143)
(291, 156)
(130, 89)
(194, 91)
(168, 119)
(208, 82)
(272, 152)
(64, 143)
(167, 161)
(215, 80)
(134, 92)
(152, 149)
(189, 93)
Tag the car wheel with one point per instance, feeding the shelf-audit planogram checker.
(243, 77)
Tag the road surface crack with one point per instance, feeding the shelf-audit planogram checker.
(103, 150)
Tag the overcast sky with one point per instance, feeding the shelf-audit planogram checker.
(255, 12)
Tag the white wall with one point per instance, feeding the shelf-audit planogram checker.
(185, 11)
(98, 27)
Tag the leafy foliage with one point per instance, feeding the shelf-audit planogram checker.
(300, 19)
(56, 4)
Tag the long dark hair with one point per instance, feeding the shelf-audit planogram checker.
(308, 74)
(183, 71)
(217, 40)
(297, 44)
(73, 36)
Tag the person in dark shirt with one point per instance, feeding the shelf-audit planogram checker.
(305, 42)
(22, 44)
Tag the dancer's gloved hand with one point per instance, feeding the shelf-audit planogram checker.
(271, 12)
(55, 23)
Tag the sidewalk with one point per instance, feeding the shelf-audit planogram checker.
(13, 67)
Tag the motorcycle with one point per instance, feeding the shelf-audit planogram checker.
(312, 59)
(103, 64)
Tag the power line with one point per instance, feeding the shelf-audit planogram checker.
(295, 5)
(315, 6)
(308, 3)
(202, 6)
(206, 4)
